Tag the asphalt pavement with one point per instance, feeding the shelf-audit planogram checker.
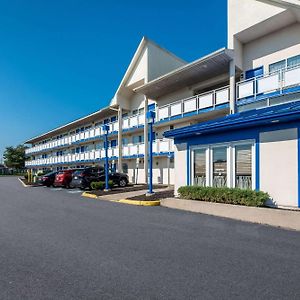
(55, 244)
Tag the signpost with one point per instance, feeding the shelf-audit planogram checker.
(105, 128)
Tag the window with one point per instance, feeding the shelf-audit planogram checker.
(293, 61)
(125, 168)
(277, 66)
(125, 141)
(141, 110)
(113, 119)
(227, 165)
(135, 112)
(200, 167)
(113, 143)
(220, 167)
(137, 139)
(243, 167)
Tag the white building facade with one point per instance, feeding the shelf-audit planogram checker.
(256, 76)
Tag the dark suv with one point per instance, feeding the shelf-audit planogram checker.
(84, 177)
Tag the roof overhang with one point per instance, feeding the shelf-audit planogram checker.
(204, 68)
(255, 118)
(270, 25)
(72, 125)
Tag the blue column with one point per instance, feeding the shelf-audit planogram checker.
(106, 129)
(151, 118)
(150, 158)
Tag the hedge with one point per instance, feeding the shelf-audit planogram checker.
(224, 195)
(100, 185)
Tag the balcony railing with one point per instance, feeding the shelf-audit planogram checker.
(193, 105)
(159, 147)
(86, 135)
(280, 82)
(133, 121)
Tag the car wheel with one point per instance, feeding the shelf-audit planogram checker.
(122, 182)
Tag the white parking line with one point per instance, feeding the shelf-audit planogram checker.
(56, 189)
(75, 191)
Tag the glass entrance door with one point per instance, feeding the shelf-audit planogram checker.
(219, 167)
(200, 167)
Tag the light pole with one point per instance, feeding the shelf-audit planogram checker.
(150, 119)
(105, 128)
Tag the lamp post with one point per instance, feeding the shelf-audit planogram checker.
(105, 128)
(150, 119)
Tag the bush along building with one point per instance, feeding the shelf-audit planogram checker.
(228, 119)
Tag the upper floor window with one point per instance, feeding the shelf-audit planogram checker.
(277, 66)
(285, 64)
(293, 61)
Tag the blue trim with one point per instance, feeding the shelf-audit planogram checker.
(188, 164)
(255, 118)
(264, 96)
(298, 132)
(257, 160)
(199, 112)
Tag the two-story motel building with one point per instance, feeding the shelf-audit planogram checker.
(230, 118)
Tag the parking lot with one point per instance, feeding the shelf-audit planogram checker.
(56, 244)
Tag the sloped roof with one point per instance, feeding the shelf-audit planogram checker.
(206, 67)
(135, 59)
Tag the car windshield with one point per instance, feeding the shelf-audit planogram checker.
(79, 172)
(49, 174)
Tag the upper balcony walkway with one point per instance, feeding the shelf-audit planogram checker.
(162, 147)
(279, 83)
(253, 90)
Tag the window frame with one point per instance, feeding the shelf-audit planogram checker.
(231, 168)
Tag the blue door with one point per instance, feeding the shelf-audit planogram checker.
(113, 143)
(254, 72)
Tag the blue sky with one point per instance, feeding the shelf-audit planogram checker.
(60, 60)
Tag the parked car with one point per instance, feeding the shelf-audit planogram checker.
(63, 178)
(47, 179)
(84, 177)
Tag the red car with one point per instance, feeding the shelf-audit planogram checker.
(63, 178)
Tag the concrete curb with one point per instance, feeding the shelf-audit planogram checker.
(287, 219)
(124, 201)
(24, 185)
(138, 203)
(88, 195)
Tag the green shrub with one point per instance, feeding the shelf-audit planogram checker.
(100, 185)
(224, 195)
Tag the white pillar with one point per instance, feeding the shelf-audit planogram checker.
(120, 153)
(146, 139)
(168, 162)
(232, 87)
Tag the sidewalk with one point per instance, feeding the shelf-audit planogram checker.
(288, 219)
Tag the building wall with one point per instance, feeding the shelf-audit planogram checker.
(161, 61)
(174, 96)
(279, 166)
(181, 166)
(243, 14)
(272, 48)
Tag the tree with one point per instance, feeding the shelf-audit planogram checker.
(14, 157)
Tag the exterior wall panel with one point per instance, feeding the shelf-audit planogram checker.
(279, 166)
